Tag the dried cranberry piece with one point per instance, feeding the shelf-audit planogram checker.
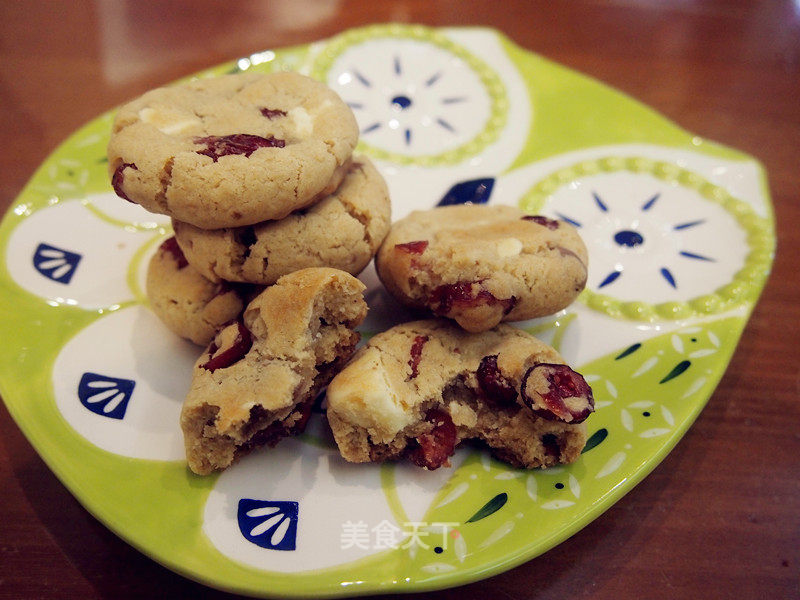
(118, 177)
(272, 113)
(541, 220)
(556, 392)
(566, 252)
(238, 143)
(417, 247)
(444, 297)
(508, 304)
(305, 415)
(496, 388)
(275, 432)
(299, 425)
(433, 449)
(461, 295)
(241, 345)
(171, 245)
(416, 354)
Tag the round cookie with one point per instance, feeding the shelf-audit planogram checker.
(257, 380)
(342, 231)
(418, 389)
(232, 150)
(481, 265)
(186, 302)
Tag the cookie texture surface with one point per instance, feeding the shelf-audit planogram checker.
(232, 150)
(343, 231)
(257, 380)
(481, 265)
(190, 305)
(418, 389)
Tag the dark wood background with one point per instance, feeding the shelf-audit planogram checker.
(719, 518)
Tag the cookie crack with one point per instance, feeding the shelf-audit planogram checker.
(165, 181)
(360, 216)
(298, 179)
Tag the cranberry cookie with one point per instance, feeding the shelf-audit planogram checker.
(232, 150)
(419, 389)
(481, 265)
(257, 380)
(186, 302)
(342, 231)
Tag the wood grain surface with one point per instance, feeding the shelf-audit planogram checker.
(719, 518)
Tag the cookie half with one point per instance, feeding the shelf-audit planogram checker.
(232, 150)
(257, 380)
(343, 231)
(190, 305)
(419, 389)
(481, 265)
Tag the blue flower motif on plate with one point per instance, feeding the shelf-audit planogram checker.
(271, 524)
(55, 263)
(664, 242)
(418, 96)
(629, 236)
(105, 396)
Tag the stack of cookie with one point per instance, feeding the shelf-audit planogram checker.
(258, 174)
(273, 217)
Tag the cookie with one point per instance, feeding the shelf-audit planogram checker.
(342, 231)
(419, 389)
(186, 302)
(481, 265)
(256, 382)
(232, 150)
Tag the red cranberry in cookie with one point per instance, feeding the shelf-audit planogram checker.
(555, 391)
(481, 265)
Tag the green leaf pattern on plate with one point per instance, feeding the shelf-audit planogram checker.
(641, 408)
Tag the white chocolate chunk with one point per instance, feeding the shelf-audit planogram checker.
(364, 397)
(302, 121)
(510, 246)
(168, 121)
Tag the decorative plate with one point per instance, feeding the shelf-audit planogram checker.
(681, 238)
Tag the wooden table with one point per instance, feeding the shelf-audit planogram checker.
(719, 518)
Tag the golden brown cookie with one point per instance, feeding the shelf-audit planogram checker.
(257, 380)
(186, 302)
(342, 231)
(481, 265)
(419, 389)
(232, 150)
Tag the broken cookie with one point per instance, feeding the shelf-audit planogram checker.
(256, 382)
(419, 389)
